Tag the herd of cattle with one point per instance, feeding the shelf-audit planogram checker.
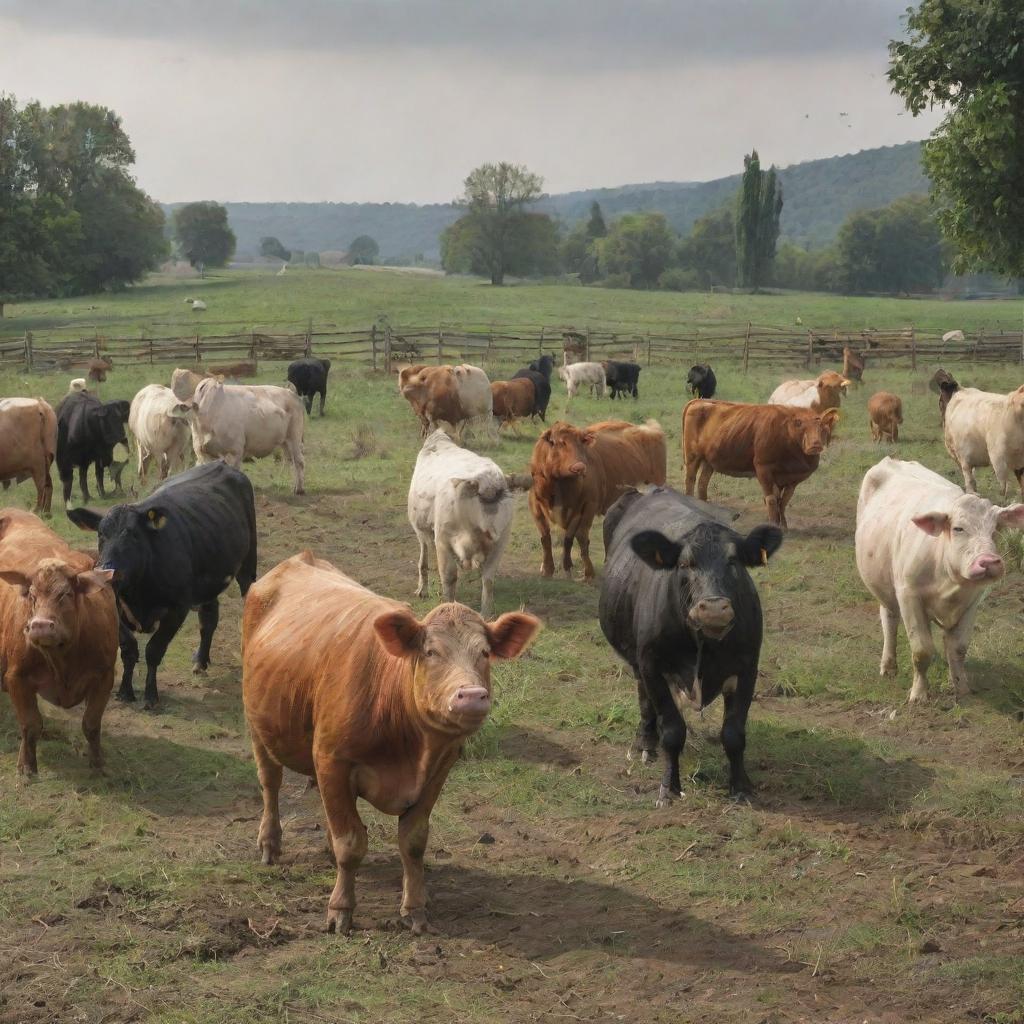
(354, 690)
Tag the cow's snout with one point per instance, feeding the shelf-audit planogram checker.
(471, 700)
(713, 616)
(42, 631)
(814, 447)
(578, 469)
(986, 567)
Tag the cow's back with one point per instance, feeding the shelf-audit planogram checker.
(624, 454)
(28, 435)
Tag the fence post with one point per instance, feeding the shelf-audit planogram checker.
(96, 344)
(810, 348)
(440, 344)
(387, 344)
(198, 353)
(648, 348)
(978, 342)
(309, 336)
(373, 346)
(253, 352)
(28, 350)
(540, 345)
(587, 343)
(913, 348)
(746, 349)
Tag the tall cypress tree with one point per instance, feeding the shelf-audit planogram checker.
(758, 207)
(596, 227)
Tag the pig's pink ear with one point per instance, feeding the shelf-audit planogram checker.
(510, 635)
(933, 523)
(1011, 518)
(399, 633)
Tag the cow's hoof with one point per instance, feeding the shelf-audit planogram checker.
(888, 671)
(198, 669)
(666, 797)
(300, 490)
(127, 696)
(269, 851)
(546, 572)
(339, 922)
(648, 756)
(417, 923)
(151, 704)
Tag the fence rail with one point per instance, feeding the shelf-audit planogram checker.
(381, 344)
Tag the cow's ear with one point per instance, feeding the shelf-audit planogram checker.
(845, 385)
(511, 634)
(759, 545)
(656, 549)
(829, 418)
(589, 437)
(1011, 518)
(93, 580)
(16, 579)
(933, 523)
(5, 521)
(156, 518)
(546, 436)
(399, 633)
(85, 518)
(467, 486)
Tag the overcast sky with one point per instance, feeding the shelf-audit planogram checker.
(396, 100)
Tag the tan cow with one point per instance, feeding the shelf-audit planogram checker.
(457, 395)
(885, 411)
(28, 445)
(987, 429)
(351, 689)
(826, 392)
(58, 631)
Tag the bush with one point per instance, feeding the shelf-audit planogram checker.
(676, 279)
(617, 281)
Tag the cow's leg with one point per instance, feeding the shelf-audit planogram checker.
(423, 565)
(348, 837)
(672, 730)
(1019, 474)
(691, 464)
(771, 497)
(295, 456)
(30, 723)
(956, 641)
(706, 473)
(583, 539)
(876, 434)
(448, 570)
(323, 398)
(922, 646)
(487, 573)
(99, 478)
(209, 615)
(895, 432)
(83, 483)
(413, 832)
(890, 623)
(646, 741)
(544, 528)
(968, 471)
(157, 648)
(307, 401)
(96, 704)
(737, 693)
(785, 493)
(129, 659)
(268, 841)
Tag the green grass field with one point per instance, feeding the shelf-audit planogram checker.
(876, 876)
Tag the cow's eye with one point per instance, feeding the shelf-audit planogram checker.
(430, 652)
(958, 529)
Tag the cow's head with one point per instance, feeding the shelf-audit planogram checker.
(183, 384)
(831, 388)
(710, 563)
(967, 533)
(809, 431)
(697, 374)
(543, 365)
(561, 451)
(1016, 400)
(450, 654)
(111, 418)
(126, 534)
(53, 593)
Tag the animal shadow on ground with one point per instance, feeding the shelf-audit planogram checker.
(999, 684)
(519, 744)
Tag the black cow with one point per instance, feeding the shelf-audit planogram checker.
(621, 377)
(175, 550)
(539, 371)
(679, 607)
(87, 431)
(309, 376)
(701, 381)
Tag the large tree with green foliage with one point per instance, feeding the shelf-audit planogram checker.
(495, 198)
(639, 245)
(596, 227)
(968, 56)
(363, 250)
(202, 234)
(710, 249)
(272, 248)
(531, 247)
(758, 207)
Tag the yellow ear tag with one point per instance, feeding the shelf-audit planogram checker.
(764, 557)
(156, 519)
(657, 558)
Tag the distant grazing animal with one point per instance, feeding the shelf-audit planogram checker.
(621, 378)
(927, 552)
(818, 395)
(234, 371)
(512, 399)
(679, 607)
(574, 347)
(159, 436)
(461, 505)
(238, 421)
(885, 410)
(99, 368)
(87, 431)
(198, 306)
(946, 385)
(28, 446)
(309, 378)
(58, 631)
(853, 364)
(778, 445)
(352, 690)
(539, 371)
(457, 395)
(953, 336)
(583, 375)
(986, 429)
(701, 381)
(175, 550)
(578, 474)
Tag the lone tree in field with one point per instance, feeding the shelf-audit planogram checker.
(272, 247)
(363, 250)
(596, 227)
(969, 57)
(758, 207)
(495, 198)
(203, 236)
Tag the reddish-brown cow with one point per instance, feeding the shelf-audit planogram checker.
(853, 364)
(778, 444)
(28, 445)
(513, 399)
(886, 413)
(58, 631)
(579, 473)
(351, 689)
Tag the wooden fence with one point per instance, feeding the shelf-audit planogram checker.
(380, 345)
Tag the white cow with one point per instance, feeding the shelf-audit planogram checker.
(587, 375)
(826, 392)
(927, 552)
(950, 336)
(238, 421)
(986, 429)
(462, 503)
(159, 435)
(476, 398)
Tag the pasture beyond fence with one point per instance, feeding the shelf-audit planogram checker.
(381, 344)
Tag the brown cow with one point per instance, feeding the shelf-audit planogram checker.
(351, 689)
(853, 364)
(447, 394)
(28, 445)
(513, 399)
(826, 392)
(777, 444)
(99, 368)
(886, 413)
(946, 385)
(579, 473)
(58, 631)
(233, 371)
